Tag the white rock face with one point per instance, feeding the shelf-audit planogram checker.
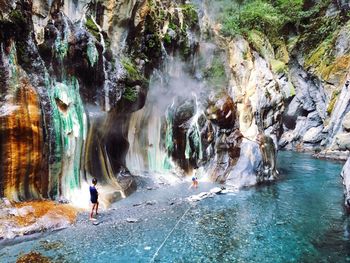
(254, 88)
(345, 174)
(341, 108)
(346, 122)
(342, 142)
(313, 135)
(249, 163)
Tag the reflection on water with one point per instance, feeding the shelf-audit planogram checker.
(300, 218)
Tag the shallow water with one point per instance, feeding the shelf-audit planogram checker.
(299, 218)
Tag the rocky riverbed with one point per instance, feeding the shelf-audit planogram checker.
(159, 224)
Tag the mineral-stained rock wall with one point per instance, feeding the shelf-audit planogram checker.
(71, 74)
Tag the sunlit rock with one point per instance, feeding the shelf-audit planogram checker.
(20, 219)
(221, 111)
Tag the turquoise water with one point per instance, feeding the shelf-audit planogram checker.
(299, 218)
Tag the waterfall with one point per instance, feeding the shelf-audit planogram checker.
(148, 146)
(151, 130)
(194, 134)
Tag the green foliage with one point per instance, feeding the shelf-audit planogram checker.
(167, 38)
(291, 10)
(17, 17)
(190, 14)
(130, 94)
(261, 16)
(92, 28)
(230, 26)
(216, 74)
(133, 72)
(247, 15)
(267, 16)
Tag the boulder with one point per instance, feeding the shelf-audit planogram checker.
(342, 141)
(313, 135)
(345, 174)
(248, 166)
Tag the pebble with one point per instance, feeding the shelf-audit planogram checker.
(280, 223)
(132, 220)
(151, 202)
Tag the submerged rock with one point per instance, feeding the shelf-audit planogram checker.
(33, 256)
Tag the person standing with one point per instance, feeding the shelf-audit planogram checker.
(93, 198)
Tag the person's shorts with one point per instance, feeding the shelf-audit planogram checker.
(193, 179)
(94, 201)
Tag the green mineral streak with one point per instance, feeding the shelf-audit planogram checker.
(69, 122)
(92, 53)
(61, 46)
(131, 69)
(157, 156)
(188, 147)
(198, 142)
(169, 145)
(55, 165)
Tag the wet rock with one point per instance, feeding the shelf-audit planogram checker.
(248, 166)
(153, 202)
(269, 155)
(63, 200)
(345, 174)
(199, 197)
(333, 155)
(33, 256)
(216, 190)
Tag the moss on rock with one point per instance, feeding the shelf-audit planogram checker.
(278, 66)
(261, 44)
(130, 94)
(332, 102)
(92, 28)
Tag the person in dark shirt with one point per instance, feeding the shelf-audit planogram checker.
(93, 198)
